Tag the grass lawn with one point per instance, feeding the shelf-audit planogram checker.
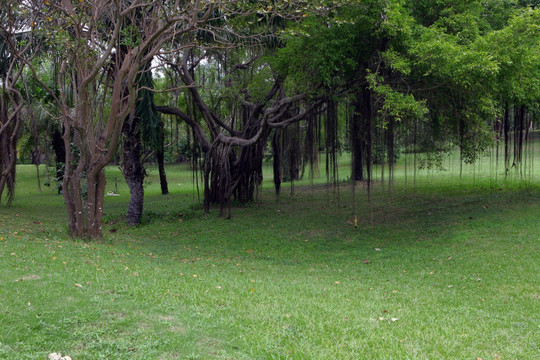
(446, 270)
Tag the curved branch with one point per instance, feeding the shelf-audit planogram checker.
(197, 129)
(283, 124)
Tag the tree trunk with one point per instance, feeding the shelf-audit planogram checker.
(291, 154)
(276, 150)
(390, 146)
(506, 129)
(160, 154)
(361, 135)
(8, 153)
(94, 204)
(71, 186)
(231, 175)
(60, 156)
(133, 170)
(519, 127)
(357, 169)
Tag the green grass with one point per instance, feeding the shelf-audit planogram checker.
(451, 273)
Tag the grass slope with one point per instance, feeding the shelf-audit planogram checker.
(448, 270)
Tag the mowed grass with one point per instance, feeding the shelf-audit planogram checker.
(448, 269)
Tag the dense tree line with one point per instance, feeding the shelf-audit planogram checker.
(98, 81)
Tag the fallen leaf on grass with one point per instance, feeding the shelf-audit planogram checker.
(29, 277)
(366, 261)
(55, 356)
(78, 285)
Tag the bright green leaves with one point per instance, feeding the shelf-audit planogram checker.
(130, 36)
(396, 104)
(517, 49)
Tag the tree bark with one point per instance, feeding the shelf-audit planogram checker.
(133, 170)
(160, 155)
(60, 156)
(8, 151)
(96, 182)
(276, 150)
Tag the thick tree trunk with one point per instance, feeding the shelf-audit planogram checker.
(249, 170)
(96, 182)
(133, 171)
(229, 175)
(73, 198)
